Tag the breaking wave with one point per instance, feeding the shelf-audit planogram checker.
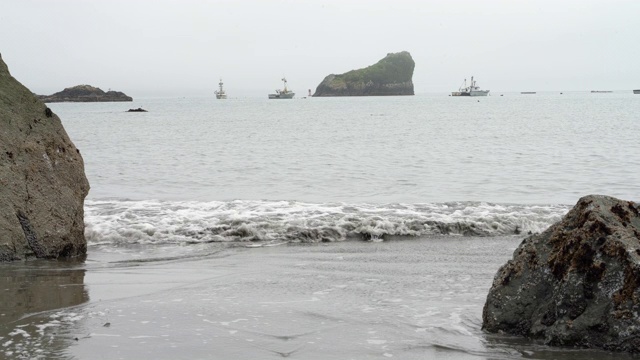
(179, 222)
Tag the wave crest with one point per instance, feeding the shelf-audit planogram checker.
(161, 222)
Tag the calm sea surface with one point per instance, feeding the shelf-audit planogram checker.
(317, 228)
(525, 149)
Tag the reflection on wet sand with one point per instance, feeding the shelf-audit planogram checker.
(29, 292)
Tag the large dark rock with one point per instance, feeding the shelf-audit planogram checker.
(576, 284)
(85, 93)
(42, 180)
(390, 76)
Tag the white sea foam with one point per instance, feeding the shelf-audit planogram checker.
(19, 332)
(162, 222)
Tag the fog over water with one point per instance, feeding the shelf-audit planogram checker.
(182, 47)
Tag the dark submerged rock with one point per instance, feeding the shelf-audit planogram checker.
(137, 110)
(390, 76)
(42, 180)
(85, 93)
(577, 283)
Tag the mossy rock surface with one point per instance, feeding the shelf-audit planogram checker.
(388, 77)
(577, 283)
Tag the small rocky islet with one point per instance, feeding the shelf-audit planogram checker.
(85, 93)
(391, 76)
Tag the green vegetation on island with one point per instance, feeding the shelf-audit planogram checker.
(390, 76)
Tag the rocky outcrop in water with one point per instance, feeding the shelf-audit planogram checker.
(577, 283)
(85, 93)
(390, 76)
(42, 180)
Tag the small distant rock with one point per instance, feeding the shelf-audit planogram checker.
(137, 110)
(85, 93)
(577, 283)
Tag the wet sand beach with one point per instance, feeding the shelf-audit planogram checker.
(406, 299)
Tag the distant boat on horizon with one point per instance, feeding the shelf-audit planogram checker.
(600, 91)
(284, 93)
(528, 92)
(472, 90)
(221, 94)
(636, 91)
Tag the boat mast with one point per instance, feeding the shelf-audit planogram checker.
(220, 84)
(285, 84)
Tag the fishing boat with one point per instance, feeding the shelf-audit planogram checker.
(221, 94)
(601, 91)
(472, 90)
(636, 91)
(528, 92)
(284, 93)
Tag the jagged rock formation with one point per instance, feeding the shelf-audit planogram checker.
(42, 180)
(577, 283)
(85, 93)
(390, 76)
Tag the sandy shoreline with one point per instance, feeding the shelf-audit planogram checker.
(409, 299)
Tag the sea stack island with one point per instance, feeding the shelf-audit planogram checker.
(391, 76)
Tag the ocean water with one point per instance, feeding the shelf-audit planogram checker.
(316, 228)
(541, 149)
(327, 169)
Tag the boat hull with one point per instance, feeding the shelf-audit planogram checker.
(221, 96)
(281, 96)
(636, 91)
(471, 93)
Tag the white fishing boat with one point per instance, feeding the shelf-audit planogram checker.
(284, 93)
(221, 94)
(472, 90)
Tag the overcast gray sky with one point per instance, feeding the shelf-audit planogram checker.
(182, 47)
